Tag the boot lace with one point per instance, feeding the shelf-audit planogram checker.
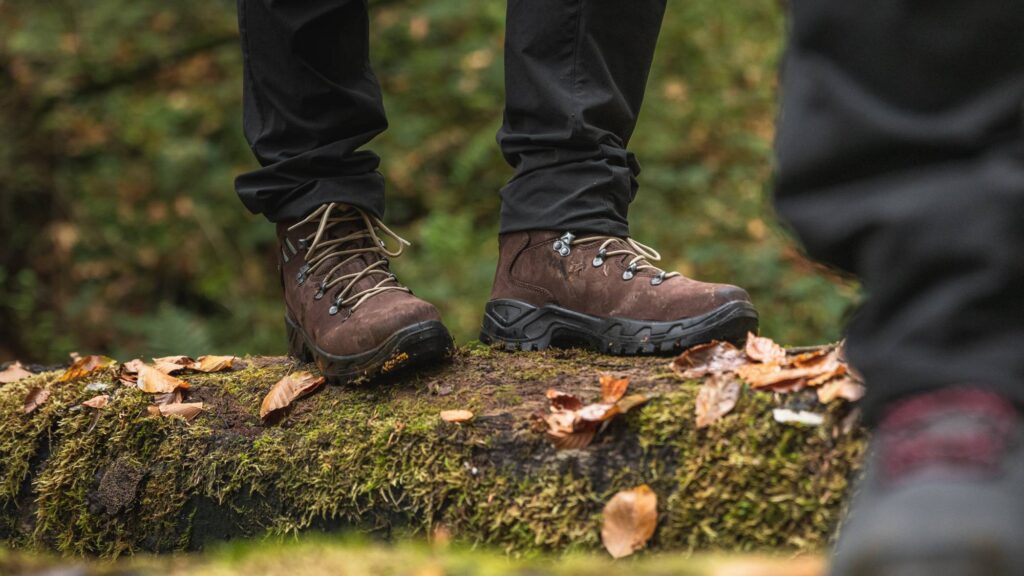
(640, 255)
(322, 248)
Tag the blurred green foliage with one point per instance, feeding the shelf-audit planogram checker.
(121, 232)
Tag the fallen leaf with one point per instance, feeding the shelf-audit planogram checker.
(187, 410)
(597, 412)
(764, 350)
(631, 401)
(845, 388)
(168, 398)
(716, 398)
(14, 372)
(567, 431)
(629, 520)
(213, 363)
(35, 398)
(154, 381)
(711, 358)
(86, 365)
(572, 440)
(563, 401)
(612, 388)
(570, 425)
(171, 364)
(812, 371)
(97, 402)
(288, 389)
(456, 416)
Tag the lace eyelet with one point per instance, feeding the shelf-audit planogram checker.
(599, 259)
(563, 244)
(334, 309)
(629, 273)
(300, 278)
(657, 280)
(302, 243)
(319, 293)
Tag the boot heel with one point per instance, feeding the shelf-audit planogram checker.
(296, 344)
(514, 325)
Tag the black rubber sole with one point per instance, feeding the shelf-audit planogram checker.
(416, 346)
(516, 325)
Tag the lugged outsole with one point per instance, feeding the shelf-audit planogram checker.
(516, 325)
(419, 345)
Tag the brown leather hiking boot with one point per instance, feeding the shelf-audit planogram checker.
(601, 292)
(344, 307)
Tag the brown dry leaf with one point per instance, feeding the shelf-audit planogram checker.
(597, 412)
(171, 364)
(845, 388)
(35, 398)
(168, 398)
(612, 388)
(187, 410)
(214, 363)
(567, 431)
(814, 370)
(716, 398)
(629, 520)
(290, 388)
(563, 401)
(16, 371)
(456, 416)
(630, 402)
(571, 425)
(154, 381)
(572, 440)
(86, 365)
(97, 402)
(764, 350)
(711, 358)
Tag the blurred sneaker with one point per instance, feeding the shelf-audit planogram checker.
(943, 491)
(603, 293)
(344, 308)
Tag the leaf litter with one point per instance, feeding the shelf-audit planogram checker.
(764, 366)
(85, 365)
(571, 425)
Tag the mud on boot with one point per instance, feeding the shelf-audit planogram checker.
(344, 308)
(602, 293)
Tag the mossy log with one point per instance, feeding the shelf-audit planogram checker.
(377, 458)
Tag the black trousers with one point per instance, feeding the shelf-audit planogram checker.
(575, 76)
(901, 159)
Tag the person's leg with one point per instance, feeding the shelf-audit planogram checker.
(901, 159)
(575, 74)
(310, 102)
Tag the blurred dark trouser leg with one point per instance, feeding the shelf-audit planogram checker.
(901, 159)
(575, 73)
(310, 102)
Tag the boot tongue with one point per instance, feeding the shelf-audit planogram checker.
(353, 266)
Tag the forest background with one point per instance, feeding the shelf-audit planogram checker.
(121, 137)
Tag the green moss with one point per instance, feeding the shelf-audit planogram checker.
(321, 555)
(380, 460)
